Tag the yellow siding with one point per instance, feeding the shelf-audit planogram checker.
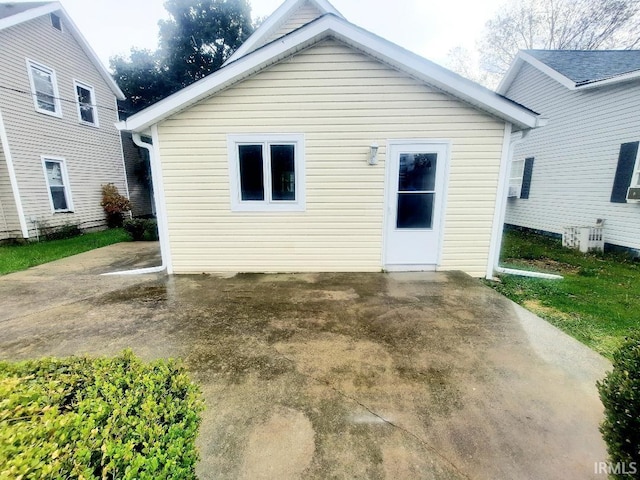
(93, 155)
(342, 101)
(303, 15)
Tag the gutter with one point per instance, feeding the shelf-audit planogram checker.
(501, 207)
(137, 139)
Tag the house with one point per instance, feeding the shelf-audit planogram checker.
(58, 141)
(584, 165)
(320, 146)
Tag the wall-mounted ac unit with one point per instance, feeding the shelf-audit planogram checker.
(633, 194)
(514, 191)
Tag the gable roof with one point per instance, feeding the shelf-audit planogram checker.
(12, 14)
(275, 21)
(331, 26)
(578, 69)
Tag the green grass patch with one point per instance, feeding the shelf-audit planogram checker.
(14, 258)
(101, 418)
(598, 302)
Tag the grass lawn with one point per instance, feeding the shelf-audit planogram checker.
(20, 257)
(597, 302)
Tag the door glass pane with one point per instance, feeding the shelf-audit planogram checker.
(417, 172)
(251, 172)
(415, 210)
(283, 175)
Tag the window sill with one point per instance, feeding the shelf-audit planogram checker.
(50, 114)
(63, 211)
(87, 124)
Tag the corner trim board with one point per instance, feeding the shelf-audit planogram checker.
(4, 139)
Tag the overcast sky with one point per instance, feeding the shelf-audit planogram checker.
(427, 27)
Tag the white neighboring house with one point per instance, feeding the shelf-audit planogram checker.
(320, 146)
(585, 164)
(58, 142)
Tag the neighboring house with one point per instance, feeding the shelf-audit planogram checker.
(58, 142)
(322, 147)
(584, 164)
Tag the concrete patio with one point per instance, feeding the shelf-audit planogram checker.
(420, 376)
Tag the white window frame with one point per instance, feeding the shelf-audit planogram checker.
(516, 181)
(94, 105)
(65, 180)
(267, 205)
(635, 177)
(56, 95)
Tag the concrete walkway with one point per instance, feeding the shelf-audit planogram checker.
(417, 376)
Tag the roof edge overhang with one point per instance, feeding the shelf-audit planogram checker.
(330, 26)
(52, 7)
(523, 57)
(274, 21)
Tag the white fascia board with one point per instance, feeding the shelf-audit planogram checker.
(510, 76)
(274, 21)
(366, 42)
(543, 67)
(57, 7)
(27, 15)
(625, 77)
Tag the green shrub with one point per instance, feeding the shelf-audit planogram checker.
(97, 419)
(620, 395)
(141, 229)
(114, 205)
(62, 233)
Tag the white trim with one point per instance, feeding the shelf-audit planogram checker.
(527, 273)
(94, 104)
(501, 200)
(275, 21)
(73, 29)
(65, 180)
(138, 271)
(4, 140)
(366, 42)
(159, 195)
(625, 77)
(54, 83)
(267, 205)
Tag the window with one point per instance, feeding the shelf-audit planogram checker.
(56, 22)
(267, 172)
(627, 172)
(87, 109)
(58, 183)
(44, 89)
(520, 178)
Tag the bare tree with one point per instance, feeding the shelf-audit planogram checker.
(556, 25)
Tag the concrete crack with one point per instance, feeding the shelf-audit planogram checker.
(406, 431)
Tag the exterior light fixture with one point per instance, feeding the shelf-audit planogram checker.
(373, 157)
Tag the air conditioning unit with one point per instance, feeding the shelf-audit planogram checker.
(514, 191)
(633, 194)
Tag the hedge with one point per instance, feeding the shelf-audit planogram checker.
(620, 395)
(101, 418)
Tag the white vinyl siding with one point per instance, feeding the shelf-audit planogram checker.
(93, 155)
(576, 156)
(342, 101)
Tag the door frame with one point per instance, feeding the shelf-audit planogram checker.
(446, 144)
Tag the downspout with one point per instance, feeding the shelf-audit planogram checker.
(137, 139)
(510, 144)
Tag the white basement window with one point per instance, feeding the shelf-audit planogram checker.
(86, 100)
(44, 89)
(267, 172)
(58, 183)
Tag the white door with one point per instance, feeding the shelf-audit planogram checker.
(415, 199)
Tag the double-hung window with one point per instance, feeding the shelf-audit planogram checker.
(267, 172)
(58, 183)
(44, 89)
(86, 99)
(515, 178)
